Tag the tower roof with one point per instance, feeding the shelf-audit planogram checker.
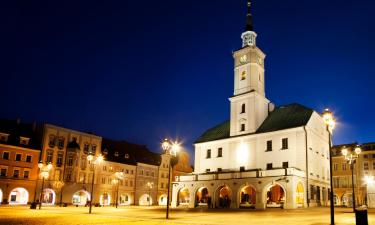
(249, 17)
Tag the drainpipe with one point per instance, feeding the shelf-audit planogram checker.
(307, 169)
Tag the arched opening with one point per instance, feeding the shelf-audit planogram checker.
(184, 196)
(347, 200)
(81, 197)
(105, 199)
(145, 200)
(299, 195)
(18, 196)
(275, 196)
(336, 200)
(224, 197)
(48, 197)
(124, 199)
(202, 197)
(1, 196)
(163, 199)
(247, 197)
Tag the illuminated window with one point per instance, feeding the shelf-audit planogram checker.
(243, 75)
(343, 166)
(335, 166)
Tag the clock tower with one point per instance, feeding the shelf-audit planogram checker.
(249, 105)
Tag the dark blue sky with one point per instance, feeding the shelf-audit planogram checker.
(144, 70)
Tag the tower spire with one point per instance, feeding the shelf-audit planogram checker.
(249, 22)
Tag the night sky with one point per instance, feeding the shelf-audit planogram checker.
(144, 70)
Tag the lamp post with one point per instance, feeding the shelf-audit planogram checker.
(44, 173)
(149, 185)
(169, 149)
(118, 175)
(351, 158)
(93, 160)
(330, 125)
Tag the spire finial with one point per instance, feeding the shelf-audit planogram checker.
(249, 22)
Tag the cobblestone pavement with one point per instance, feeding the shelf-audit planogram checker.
(134, 215)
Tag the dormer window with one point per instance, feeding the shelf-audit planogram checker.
(116, 154)
(4, 137)
(105, 151)
(24, 140)
(126, 156)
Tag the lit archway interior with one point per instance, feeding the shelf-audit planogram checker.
(18, 196)
(347, 200)
(202, 196)
(1, 196)
(124, 199)
(48, 197)
(275, 196)
(145, 200)
(105, 199)
(299, 195)
(184, 196)
(336, 200)
(224, 197)
(81, 197)
(163, 200)
(248, 197)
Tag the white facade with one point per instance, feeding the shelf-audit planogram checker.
(264, 157)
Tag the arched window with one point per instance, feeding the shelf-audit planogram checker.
(243, 108)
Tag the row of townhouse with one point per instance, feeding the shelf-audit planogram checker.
(130, 174)
(363, 172)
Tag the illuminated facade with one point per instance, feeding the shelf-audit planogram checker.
(264, 156)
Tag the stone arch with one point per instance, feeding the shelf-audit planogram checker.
(223, 196)
(183, 196)
(202, 197)
(105, 199)
(300, 194)
(163, 199)
(125, 199)
(336, 200)
(1, 196)
(247, 196)
(48, 196)
(275, 195)
(18, 196)
(81, 197)
(145, 200)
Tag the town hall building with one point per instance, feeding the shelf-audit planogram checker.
(263, 156)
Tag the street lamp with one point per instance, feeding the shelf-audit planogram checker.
(93, 160)
(351, 158)
(118, 175)
(149, 185)
(169, 149)
(44, 173)
(330, 125)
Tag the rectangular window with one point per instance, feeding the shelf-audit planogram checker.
(51, 141)
(365, 165)
(83, 163)
(59, 159)
(103, 180)
(242, 168)
(70, 160)
(93, 148)
(208, 170)
(220, 152)
(60, 143)
(243, 127)
(28, 158)
(18, 156)
(104, 168)
(26, 174)
(16, 173)
(86, 148)
(269, 166)
(343, 166)
(3, 172)
(335, 166)
(219, 169)
(269, 146)
(312, 192)
(285, 165)
(208, 155)
(6, 155)
(284, 143)
(127, 171)
(49, 156)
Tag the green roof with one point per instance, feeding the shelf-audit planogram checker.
(283, 117)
